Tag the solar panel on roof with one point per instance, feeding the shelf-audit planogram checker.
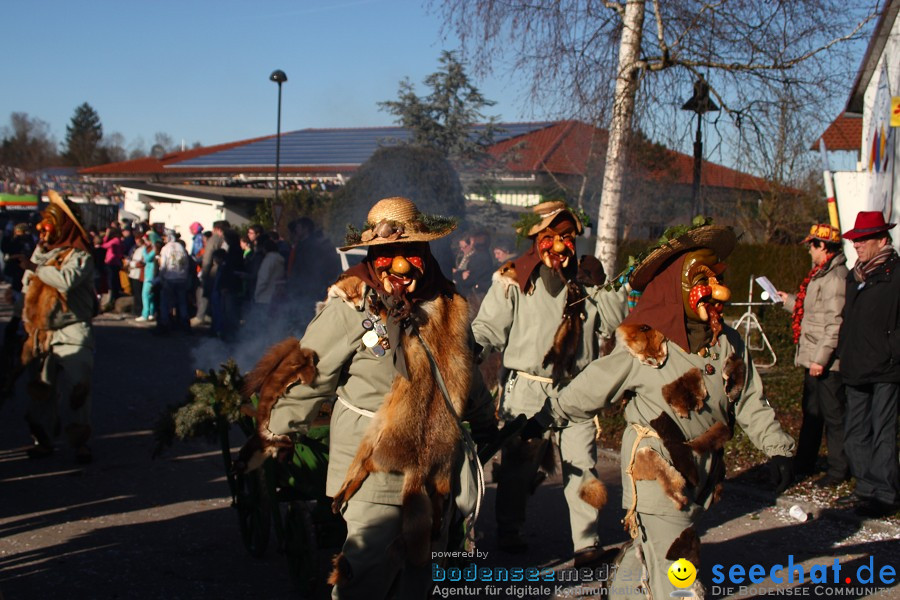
(324, 147)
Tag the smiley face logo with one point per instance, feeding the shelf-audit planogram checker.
(682, 573)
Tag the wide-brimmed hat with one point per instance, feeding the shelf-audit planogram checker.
(543, 215)
(868, 223)
(396, 220)
(69, 209)
(720, 240)
(824, 233)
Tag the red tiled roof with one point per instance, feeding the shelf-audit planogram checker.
(844, 133)
(564, 148)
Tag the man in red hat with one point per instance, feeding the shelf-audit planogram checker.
(869, 349)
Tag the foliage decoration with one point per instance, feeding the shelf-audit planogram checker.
(212, 397)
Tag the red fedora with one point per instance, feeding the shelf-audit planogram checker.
(868, 223)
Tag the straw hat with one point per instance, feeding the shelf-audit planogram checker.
(69, 209)
(397, 220)
(720, 240)
(548, 212)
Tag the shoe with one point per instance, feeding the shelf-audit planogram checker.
(829, 481)
(850, 500)
(83, 455)
(512, 544)
(141, 320)
(876, 509)
(39, 451)
(594, 556)
(151, 318)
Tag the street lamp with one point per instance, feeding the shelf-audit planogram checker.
(279, 77)
(700, 103)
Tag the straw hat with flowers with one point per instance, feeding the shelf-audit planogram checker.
(395, 221)
(701, 234)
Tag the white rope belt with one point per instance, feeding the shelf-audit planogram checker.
(533, 377)
(356, 409)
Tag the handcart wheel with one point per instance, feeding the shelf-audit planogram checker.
(301, 547)
(254, 512)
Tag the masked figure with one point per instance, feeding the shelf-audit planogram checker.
(57, 312)
(546, 322)
(392, 342)
(687, 380)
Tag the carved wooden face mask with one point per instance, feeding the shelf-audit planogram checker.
(52, 219)
(556, 244)
(399, 267)
(702, 291)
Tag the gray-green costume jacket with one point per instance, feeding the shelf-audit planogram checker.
(74, 279)
(360, 380)
(687, 400)
(522, 326)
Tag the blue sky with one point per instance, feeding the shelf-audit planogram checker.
(198, 70)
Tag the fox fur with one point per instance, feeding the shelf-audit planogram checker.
(646, 344)
(674, 441)
(649, 465)
(686, 545)
(506, 275)
(711, 440)
(734, 372)
(42, 301)
(686, 393)
(284, 364)
(593, 492)
(413, 431)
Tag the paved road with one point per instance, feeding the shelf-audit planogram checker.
(131, 527)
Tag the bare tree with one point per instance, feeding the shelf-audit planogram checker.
(745, 49)
(26, 144)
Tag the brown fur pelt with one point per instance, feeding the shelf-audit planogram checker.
(42, 301)
(674, 441)
(349, 288)
(711, 440)
(506, 275)
(646, 344)
(567, 340)
(686, 393)
(341, 572)
(593, 492)
(734, 372)
(687, 546)
(284, 364)
(649, 465)
(413, 431)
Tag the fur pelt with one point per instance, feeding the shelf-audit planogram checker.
(593, 492)
(284, 364)
(348, 288)
(686, 393)
(649, 465)
(341, 572)
(711, 440)
(413, 431)
(646, 344)
(734, 372)
(567, 339)
(42, 301)
(506, 275)
(687, 546)
(674, 441)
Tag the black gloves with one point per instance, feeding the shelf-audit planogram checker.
(533, 429)
(782, 472)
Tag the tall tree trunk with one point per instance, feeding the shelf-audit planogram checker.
(616, 155)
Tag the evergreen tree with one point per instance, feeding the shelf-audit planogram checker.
(445, 119)
(83, 136)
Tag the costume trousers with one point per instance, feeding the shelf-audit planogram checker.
(871, 440)
(645, 564)
(824, 405)
(64, 402)
(373, 552)
(519, 468)
(148, 306)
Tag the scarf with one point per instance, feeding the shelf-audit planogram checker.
(863, 269)
(662, 308)
(797, 315)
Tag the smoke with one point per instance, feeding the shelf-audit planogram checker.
(262, 326)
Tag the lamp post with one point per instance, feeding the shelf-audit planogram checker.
(700, 103)
(279, 77)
